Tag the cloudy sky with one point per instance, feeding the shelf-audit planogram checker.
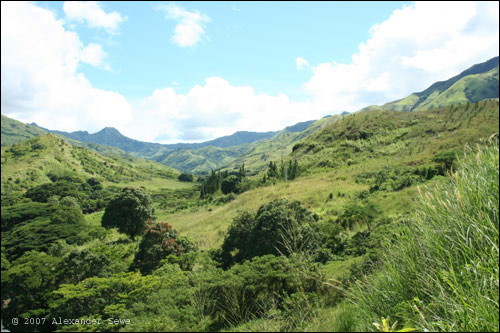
(193, 71)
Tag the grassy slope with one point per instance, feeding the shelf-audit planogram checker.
(262, 152)
(474, 84)
(400, 140)
(442, 274)
(14, 131)
(30, 162)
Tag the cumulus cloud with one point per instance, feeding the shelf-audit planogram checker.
(430, 41)
(190, 28)
(215, 109)
(416, 46)
(40, 81)
(92, 13)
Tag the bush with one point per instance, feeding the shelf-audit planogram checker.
(160, 241)
(279, 228)
(185, 177)
(229, 184)
(252, 289)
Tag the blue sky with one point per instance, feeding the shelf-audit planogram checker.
(246, 43)
(193, 71)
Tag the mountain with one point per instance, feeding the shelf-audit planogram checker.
(189, 157)
(110, 136)
(14, 131)
(472, 85)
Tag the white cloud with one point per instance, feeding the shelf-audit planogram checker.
(190, 28)
(39, 79)
(94, 55)
(92, 13)
(215, 109)
(418, 45)
(302, 63)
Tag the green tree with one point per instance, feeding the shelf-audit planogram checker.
(279, 228)
(446, 159)
(129, 211)
(229, 184)
(185, 177)
(28, 284)
(159, 241)
(242, 172)
(272, 171)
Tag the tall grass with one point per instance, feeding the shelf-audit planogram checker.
(442, 272)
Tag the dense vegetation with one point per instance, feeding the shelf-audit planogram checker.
(370, 217)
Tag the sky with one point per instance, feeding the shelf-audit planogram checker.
(172, 72)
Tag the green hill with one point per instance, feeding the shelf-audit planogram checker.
(472, 85)
(14, 131)
(37, 160)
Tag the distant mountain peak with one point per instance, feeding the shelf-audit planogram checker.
(109, 131)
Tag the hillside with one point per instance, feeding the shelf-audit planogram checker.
(358, 179)
(189, 157)
(110, 136)
(474, 84)
(379, 156)
(14, 131)
(37, 160)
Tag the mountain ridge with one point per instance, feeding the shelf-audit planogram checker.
(474, 84)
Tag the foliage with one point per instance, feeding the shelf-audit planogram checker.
(280, 228)
(28, 284)
(129, 211)
(185, 177)
(160, 241)
(37, 233)
(252, 289)
(446, 158)
(229, 184)
(354, 213)
(101, 298)
(442, 274)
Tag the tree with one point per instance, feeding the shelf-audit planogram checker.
(242, 172)
(159, 241)
(28, 284)
(447, 159)
(129, 211)
(185, 177)
(229, 184)
(279, 227)
(272, 172)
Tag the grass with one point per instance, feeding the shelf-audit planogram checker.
(442, 275)
(153, 184)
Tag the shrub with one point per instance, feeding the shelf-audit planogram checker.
(185, 177)
(160, 241)
(279, 227)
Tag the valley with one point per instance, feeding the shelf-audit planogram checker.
(383, 216)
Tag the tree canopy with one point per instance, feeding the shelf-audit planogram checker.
(129, 211)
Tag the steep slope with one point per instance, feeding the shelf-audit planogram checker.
(261, 153)
(411, 138)
(474, 84)
(14, 131)
(36, 160)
